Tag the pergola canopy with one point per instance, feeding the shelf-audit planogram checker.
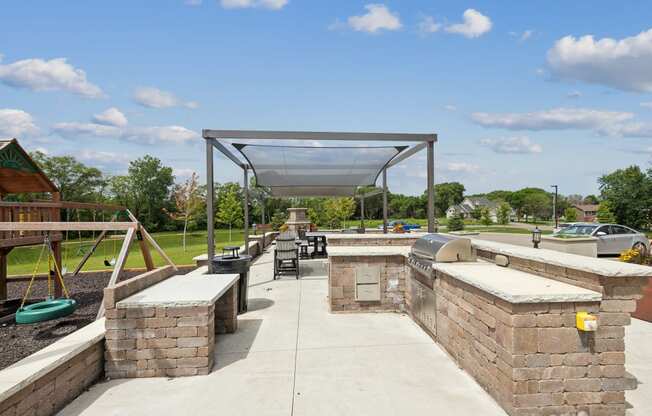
(316, 171)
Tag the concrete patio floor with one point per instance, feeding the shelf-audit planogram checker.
(290, 356)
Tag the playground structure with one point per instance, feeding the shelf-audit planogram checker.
(39, 223)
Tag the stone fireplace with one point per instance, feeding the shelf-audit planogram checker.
(298, 220)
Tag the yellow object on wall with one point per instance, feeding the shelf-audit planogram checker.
(586, 322)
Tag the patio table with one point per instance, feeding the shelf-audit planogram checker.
(318, 242)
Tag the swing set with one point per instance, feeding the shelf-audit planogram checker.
(39, 224)
(53, 308)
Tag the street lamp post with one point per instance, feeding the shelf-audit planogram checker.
(554, 205)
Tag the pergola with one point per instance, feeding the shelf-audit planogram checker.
(300, 171)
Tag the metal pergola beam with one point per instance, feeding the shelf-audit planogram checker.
(408, 153)
(317, 135)
(226, 152)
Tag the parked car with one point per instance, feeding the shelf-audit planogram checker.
(561, 227)
(406, 226)
(612, 238)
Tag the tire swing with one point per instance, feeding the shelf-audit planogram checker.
(50, 308)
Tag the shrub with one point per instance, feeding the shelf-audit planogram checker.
(456, 223)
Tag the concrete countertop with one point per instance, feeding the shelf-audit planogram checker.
(351, 251)
(515, 286)
(597, 266)
(193, 289)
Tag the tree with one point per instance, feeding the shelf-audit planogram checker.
(628, 193)
(499, 195)
(338, 210)
(476, 214)
(229, 210)
(456, 223)
(76, 181)
(504, 212)
(570, 214)
(591, 200)
(187, 200)
(278, 219)
(485, 217)
(533, 202)
(605, 214)
(150, 187)
(447, 194)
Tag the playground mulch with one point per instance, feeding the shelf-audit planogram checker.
(19, 341)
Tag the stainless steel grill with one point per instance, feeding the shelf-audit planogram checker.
(439, 248)
(425, 251)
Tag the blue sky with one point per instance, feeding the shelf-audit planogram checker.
(517, 93)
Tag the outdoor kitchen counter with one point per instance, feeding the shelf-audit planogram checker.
(168, 329)
(515, 286)
(192, 289)
(601, 267)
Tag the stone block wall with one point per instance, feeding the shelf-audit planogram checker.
(530, 357)
(226, 312)
(51, 392)
(159, 341)
(341, 282)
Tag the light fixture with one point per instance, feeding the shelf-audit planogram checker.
(536, 237)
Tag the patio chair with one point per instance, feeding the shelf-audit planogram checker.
(286, 254)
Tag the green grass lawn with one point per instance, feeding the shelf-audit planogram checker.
(22, 260)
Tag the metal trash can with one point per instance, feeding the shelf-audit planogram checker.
(238, 263)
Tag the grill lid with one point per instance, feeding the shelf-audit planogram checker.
(442, 248)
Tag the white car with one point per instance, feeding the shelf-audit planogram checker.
(612, 238)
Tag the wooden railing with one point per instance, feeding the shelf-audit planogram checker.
(49, 211)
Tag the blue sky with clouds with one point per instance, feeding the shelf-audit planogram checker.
(520, 93)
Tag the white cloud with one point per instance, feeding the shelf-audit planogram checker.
(574, 94)
(637, 129)
(428, 25)
(475, 25)
(647, 104)
(554, 119)
(461, 167)
(193, 2)
(527, 34)
(155, 98)
(16, 123)
(164, 134)
(624, 64)
(52, 75)
(244, 4)
(518, 144)
(74, 129)
(143, 135)
(111, 117)
(100, 157)
(182, 173)
(450, 107)
(377, 18)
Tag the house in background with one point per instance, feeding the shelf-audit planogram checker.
(586, 212)
(469, 204)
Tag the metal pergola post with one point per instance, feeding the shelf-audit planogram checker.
(210, 215)
(362, 212)
(384, 201)
(431, 186)
(246, 209)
